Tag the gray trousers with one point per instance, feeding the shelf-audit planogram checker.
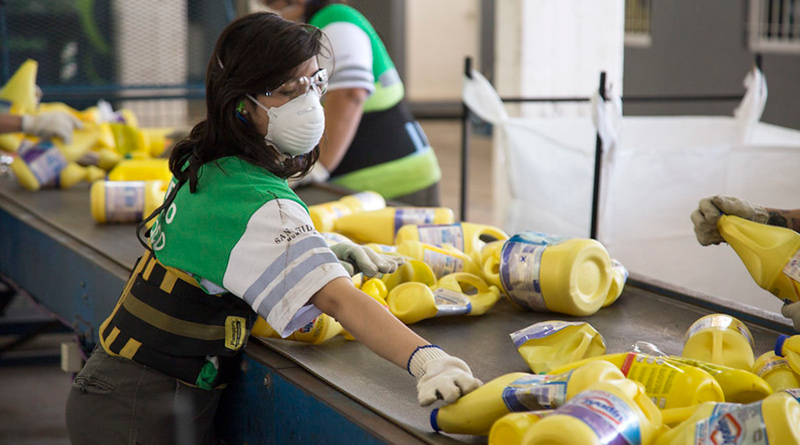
(117, 401)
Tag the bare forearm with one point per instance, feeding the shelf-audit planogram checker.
(784, 218)
(343, 111)
(10, 123)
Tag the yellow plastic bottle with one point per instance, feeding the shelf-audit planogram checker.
(18, 97)
(789, 348)
(671, 385)
(775, 420)
(141, 170)
(443, 260)
(720, 339)
(323, 215)
(41, 164)
(738, 385)
(414, 301)
(619, 275)
(380, 226)
(511, 428)
(410, 271)
(608, 412)
(464, 236)
(475, 412)
(549, 273)
(319, 330)
(125, 201)
(776, 371)
(550, 344)
(771, 254)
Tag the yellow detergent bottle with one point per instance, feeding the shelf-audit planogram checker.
(550, 273)
(771, 254)
(671, 385)
(789, 348)
(82, 142)
(323, 215)
(774, 420)
(458, 293)
(464, 236)
(776, 371)
(156, 140)
(511, 428)
(141, 170)
(380, 226)
(129, 140)
(619, 275)
(550, 344)
(720, 339)
(475, 412)
(443, 260)
(40, 164)
(20, 89)
(125, 201)
(410, 271)
(608, 412)
(319, 330)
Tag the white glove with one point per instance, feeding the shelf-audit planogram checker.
(710, 209)
(362, 259)
(439, 375)
(792, 310)
(318, 173)
(51, 124)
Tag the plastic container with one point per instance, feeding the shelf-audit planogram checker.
(41, 164)
(789, 348)
(671, 385)
(511, 428)
(549, 273)
(319, 330)
(464, 236)
(475, 412)
(324, 215)
(141, 170)
(380, 226)
(608, 412)
(442, 260)
(20, 89)
(455, 294)
(775, 420)
(771, 254)
(410, 271)
(619, 276)
(776, 371)
(551, 344)
(125, 201)
(720, 339)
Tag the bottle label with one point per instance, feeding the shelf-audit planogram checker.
(719, 322)
(536, 391)
(124, 201)
(792, 268)
(413, 215)
(541, 330)
(771, 365)
(656, 374)
(794, 392)
(369, 201)
(43, 159)
(733, 423)
(609, 416)
(441, 234)
(441, 263)
(519, 273)
(450, 302)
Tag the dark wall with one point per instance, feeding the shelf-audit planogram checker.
(700, 47)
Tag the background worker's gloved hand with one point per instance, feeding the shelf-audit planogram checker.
(362, 259)
(51, 124)
(318, 173)
(710, 209)
(440, 376)
(792, 310)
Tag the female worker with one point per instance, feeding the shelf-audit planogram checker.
(371, 142)
(232, 240)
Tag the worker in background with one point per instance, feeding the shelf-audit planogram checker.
(371, 141)
(44, 125)
(230, 241)
(709, 210)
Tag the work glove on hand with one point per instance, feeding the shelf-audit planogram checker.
(792, 310)
(318, 173)
(709, 210)
(51, 124)
(439, 375)
(362, 259)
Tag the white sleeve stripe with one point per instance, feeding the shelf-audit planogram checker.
(280, 265)
(290, 277)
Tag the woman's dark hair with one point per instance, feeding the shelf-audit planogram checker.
(253, 54)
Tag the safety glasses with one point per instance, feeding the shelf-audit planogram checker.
(300, 86)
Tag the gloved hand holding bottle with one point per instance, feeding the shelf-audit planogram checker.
(51, 124)
(359, 259)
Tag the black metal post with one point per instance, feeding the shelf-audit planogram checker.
(465, 130)
(5, 70)
(598, 164)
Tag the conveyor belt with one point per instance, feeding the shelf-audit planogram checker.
(38, 225)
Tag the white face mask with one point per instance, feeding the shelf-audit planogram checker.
(295, 127)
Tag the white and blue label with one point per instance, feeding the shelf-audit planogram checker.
(609, 416)
(442, 234)
(541, 330)
(413, 215)
(733, 423)
(43, 159)
(449, 302)
(536, 391)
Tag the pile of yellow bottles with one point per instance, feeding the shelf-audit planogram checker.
(111, 151)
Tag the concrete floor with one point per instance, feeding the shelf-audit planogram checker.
(32, 397)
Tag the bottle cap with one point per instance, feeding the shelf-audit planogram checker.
(434, 424)
(779, 345)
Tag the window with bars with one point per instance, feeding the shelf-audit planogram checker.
(775, 26)
(637, 22)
